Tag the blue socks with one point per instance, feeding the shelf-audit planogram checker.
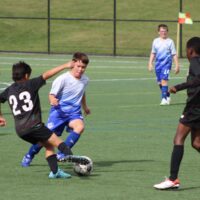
(164, 91)
(72, 138)
(34, 149)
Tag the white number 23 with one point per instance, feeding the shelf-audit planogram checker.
(27, 106)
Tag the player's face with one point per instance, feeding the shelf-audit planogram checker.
(78, 69)
(163, 33)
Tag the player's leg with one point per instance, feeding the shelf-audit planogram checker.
(55, 141)
(195, 139)
(28, 157)
(176, 158)
(164, 76)
(76, 129)
(55, 172)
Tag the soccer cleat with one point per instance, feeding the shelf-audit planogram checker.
(76, 159)
(168, 100)
(26, 161)
(60, 157)
(164, 102)
(167, 184)
(60, 174)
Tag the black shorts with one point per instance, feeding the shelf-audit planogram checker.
(191, 118)
(37, 134)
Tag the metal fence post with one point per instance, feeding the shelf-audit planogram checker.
(114, 28)
(48, 27)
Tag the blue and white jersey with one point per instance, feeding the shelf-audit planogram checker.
(69, 91)
(164, 50)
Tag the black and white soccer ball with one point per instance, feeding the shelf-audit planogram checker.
(84, 169)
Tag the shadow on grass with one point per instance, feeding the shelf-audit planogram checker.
(4, 134)
(177, 104)
(110, 163)
(181, 189)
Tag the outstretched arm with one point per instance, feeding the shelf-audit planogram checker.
(182, 86)
(48, 74)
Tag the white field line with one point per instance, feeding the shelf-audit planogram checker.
(103, 80)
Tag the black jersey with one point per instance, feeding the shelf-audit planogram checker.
(24, 102)
(192, 84)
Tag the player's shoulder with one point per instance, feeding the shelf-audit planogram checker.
(85, 78)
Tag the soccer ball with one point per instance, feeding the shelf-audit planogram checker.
(84, 170)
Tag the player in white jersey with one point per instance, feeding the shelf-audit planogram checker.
(67, 98)
(163, 52)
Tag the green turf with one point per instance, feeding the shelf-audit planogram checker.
(128, 136)
(94, 37)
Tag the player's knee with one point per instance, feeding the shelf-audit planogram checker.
(196, 145)
(79, 129)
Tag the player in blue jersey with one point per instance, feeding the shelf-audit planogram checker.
(163, 52)
(67, 98)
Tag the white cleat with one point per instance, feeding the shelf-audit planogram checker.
(167, 184)
(168, 100)
(164, 102)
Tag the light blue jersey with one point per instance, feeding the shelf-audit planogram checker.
(164, 50)
(69, 91)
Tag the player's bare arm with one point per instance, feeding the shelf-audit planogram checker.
(177, 67)
(150, 64)
(48, 74)
(84, 106)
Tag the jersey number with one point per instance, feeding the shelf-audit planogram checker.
(27, 106)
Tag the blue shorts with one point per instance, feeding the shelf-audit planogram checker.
(162, 74)
(57, 124)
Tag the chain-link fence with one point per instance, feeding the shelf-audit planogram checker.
(112, 27)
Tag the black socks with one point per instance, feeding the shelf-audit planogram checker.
(176, 157)
(64, 149)
(52, 161)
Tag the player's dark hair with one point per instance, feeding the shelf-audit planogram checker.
(81, 56)
(162, 26)
(19, 70)
(194, 43)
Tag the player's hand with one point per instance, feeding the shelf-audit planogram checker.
(172, 90)
(86, 111)
(177, 70)
(53, 100)
(70, 64)
(150, 67)
(2, 121)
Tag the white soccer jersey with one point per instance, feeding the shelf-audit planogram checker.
(164, 49)
(69, 91)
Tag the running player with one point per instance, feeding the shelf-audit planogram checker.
(66, 97)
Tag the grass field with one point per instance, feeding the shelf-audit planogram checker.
(128, 136)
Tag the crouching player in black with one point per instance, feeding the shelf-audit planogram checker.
(23, 99)
(190, 118)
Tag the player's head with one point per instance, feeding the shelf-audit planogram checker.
(20, 71)
(78, 56)
(163, 30)
(81, 61)
(193, 47)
